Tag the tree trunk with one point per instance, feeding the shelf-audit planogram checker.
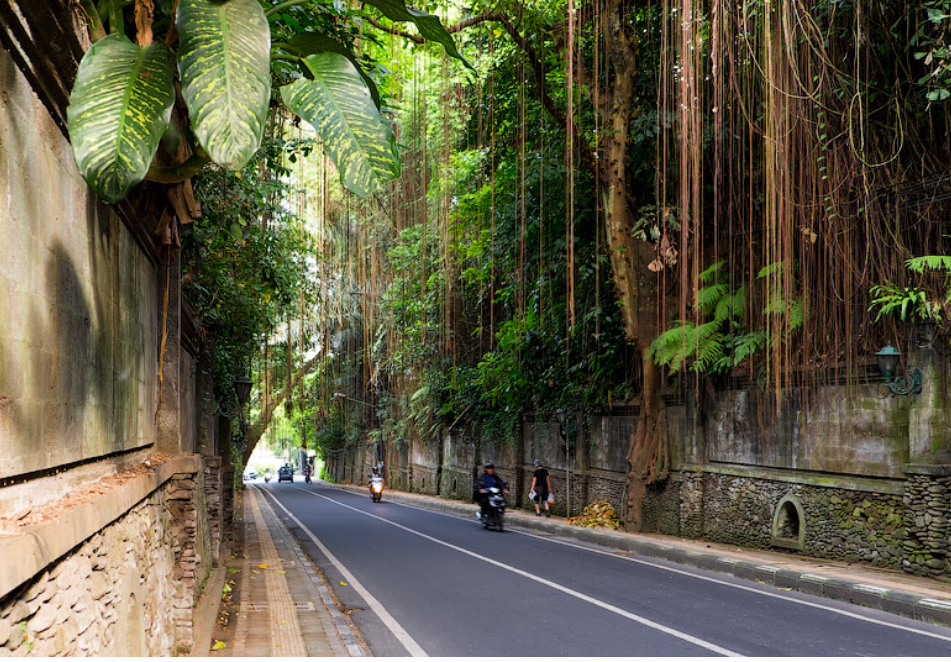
(636, 285)
(270, 405)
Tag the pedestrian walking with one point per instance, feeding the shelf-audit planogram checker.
(541, 488)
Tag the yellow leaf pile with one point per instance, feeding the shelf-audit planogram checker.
(599, 513)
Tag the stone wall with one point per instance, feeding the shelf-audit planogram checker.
(127, 589)
(107, 532)
(77, 372)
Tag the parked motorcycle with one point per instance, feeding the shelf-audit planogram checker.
(494, 513)
(376, 488)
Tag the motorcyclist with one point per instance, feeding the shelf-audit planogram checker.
(375, 476)
(483, 483)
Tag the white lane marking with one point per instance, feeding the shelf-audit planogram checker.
(402, 635)
(541, 580)
(618, 555)
(787, 598)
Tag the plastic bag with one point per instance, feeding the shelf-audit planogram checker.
(551, 498)
(532, 495)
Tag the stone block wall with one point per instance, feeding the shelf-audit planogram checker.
(128, 590)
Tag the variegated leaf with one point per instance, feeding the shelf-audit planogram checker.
(225, 65)
(429, 26)
(119, 108)
(354, 134)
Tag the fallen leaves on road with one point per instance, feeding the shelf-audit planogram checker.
(263, 566)
(599, 513)
(343, 583)
(218, 645)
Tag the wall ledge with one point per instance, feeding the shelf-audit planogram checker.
(27, 550)
(829, 480)
(926, 469)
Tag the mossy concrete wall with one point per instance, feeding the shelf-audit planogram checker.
(105, 541)
(77, 315)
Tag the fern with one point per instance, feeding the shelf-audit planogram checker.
(711, 272)
(718, 345)
(930, 262)
(708, 298)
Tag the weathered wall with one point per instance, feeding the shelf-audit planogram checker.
(76, 368)
(105, 537)
(126, 590)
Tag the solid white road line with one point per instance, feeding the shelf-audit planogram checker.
(618, 554)
(541, 580)
(787, 598)
(402, 635)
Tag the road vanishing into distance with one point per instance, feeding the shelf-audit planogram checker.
(423, 582)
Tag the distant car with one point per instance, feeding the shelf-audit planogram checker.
(285, 473)
(250, 475)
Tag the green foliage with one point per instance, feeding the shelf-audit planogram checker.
(338, 104)
(224, 61)
(120, 107)
(241, 275)
(723, 342)
(914, 305)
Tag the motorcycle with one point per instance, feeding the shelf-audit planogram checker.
(267, 476)
(376, 489)
(307, 474)
(494, 513)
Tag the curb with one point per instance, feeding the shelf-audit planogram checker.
(862, 593)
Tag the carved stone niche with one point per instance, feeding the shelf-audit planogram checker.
(789, 524)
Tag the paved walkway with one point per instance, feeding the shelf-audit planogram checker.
(277, 605)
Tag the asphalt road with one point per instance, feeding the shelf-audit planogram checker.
(421, 582)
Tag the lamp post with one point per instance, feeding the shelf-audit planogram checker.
(560, 415)
(888, 358)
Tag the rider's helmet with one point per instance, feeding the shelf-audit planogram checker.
(489, 465)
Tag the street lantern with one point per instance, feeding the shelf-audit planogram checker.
(242, 386)
(888, 358)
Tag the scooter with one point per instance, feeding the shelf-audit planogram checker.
(307, 474)
(267, 476)
(376, 489)
(494, 514)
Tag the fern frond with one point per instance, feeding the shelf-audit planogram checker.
(708, 297)
(708, 353)
(711, 272)
(739, 301)
(929, 262)
(770, 269)
(672, 346)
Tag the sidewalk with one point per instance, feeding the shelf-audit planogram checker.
(914, 597)
(274, 604)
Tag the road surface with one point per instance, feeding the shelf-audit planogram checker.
(422, 582)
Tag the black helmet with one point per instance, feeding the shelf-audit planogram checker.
(489, 465)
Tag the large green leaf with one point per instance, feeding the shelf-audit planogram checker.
(120, 106)
(354, 134)
(309, 43)
(429, 26)
(225, 66)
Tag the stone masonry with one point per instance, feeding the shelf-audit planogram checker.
(112, 594)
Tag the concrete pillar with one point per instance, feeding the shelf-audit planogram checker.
(168, 417)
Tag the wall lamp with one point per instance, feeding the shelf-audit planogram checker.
(888, 358)
(242, 387)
